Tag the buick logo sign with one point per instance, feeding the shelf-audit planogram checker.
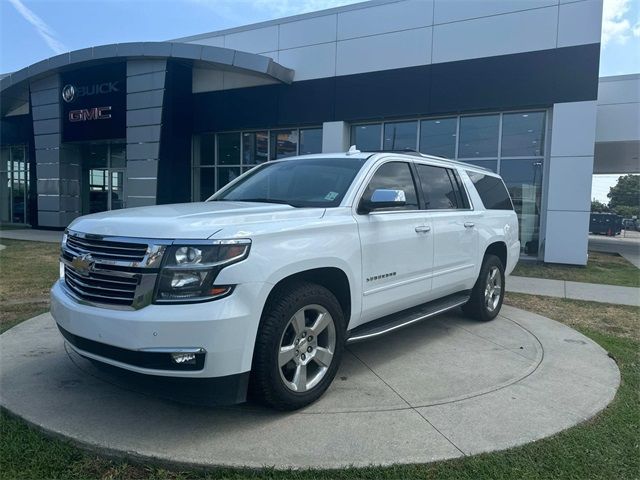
(69, 93)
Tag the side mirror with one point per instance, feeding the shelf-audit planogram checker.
(383, 198)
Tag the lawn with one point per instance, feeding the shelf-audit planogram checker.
(605, 447)
(607, 268)
(27, 272)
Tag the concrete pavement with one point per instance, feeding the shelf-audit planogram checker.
(593, 292)
(444, 388)
(627, 245)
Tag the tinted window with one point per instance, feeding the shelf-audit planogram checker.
(366, 137)
(301, 183)
(229, 149)
(310, 141)
(394, 176)
(284, 143)
(255, 148)
(439, 187)
(479, 136)
(400, 135)
(492, 191)
(438, 137)
(523, 134)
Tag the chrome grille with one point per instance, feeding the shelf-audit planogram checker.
(106, 249)
(101, 287)
(111, 272)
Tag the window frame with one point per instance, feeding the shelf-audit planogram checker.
(456, 181)
(196, 164)
(369, 176)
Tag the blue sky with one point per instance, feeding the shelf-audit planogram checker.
(31, 30)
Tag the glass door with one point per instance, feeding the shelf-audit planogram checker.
(116, 190)
(14, 184)
(105, 174)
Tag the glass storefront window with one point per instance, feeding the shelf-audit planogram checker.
(400, 135)
(438, 137)
(229, 149)
(226, 175)
(479, 136)
(255, 148)
(523, 178)
(284, 143)
(488, 164)
(523, 134)
(366, 137)
(239, 152)
(310, 141)
(14, 184)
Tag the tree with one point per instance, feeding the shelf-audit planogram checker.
(624, 196)
(598, 207)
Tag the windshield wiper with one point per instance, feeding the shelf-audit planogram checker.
(266, 200)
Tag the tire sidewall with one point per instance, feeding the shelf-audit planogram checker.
(490, 261)
(312, 294)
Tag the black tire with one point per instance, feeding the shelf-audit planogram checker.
(477, 306)
(267, 385)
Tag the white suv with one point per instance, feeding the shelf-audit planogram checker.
(258, 289)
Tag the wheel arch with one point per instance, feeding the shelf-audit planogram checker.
(332, 278)
(499, 249)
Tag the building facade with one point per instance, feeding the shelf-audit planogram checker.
(510, 85)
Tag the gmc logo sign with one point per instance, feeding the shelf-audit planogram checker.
(86, 114)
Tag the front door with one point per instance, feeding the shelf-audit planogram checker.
(397, 248)
(104, 181)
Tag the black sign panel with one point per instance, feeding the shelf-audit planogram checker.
(94, 103)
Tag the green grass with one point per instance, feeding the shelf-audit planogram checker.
(27, 272)
(607, 268)
(606, 447)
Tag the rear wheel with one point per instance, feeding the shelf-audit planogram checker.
(488, 292)
(298, 348)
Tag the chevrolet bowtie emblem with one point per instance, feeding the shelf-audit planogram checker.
(82, 263)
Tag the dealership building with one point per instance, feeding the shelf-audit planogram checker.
(510, 85)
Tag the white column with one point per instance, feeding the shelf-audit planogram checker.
(335, 137)
(570, 172)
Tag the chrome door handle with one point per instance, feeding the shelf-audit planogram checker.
(469, 224)
(423, 229)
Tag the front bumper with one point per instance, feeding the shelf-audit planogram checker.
(224, 329)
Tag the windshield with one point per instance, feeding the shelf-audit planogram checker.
(312, 182)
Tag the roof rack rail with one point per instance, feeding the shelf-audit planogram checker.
(416, 153)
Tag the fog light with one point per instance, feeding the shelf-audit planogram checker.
(184, 358)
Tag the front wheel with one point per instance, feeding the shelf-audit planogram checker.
(298, 348)
(488, 292)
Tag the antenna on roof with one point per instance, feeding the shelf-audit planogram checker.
(353, 150)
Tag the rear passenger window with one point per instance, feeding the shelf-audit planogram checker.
(440, 188)
(394, 176)
(492, 191)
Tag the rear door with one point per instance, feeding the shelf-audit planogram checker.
(454, 228)
(397, 246)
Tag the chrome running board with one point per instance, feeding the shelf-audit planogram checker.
(407, 317)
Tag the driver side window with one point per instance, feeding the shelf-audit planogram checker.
(394, 176)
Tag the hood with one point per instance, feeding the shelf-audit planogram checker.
(187, 220)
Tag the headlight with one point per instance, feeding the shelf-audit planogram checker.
(189, 271)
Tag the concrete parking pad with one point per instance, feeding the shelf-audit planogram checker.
(444, 388)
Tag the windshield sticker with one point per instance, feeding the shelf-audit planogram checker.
(331, 196)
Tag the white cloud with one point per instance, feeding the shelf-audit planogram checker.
(44, 30)
(616, 28)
